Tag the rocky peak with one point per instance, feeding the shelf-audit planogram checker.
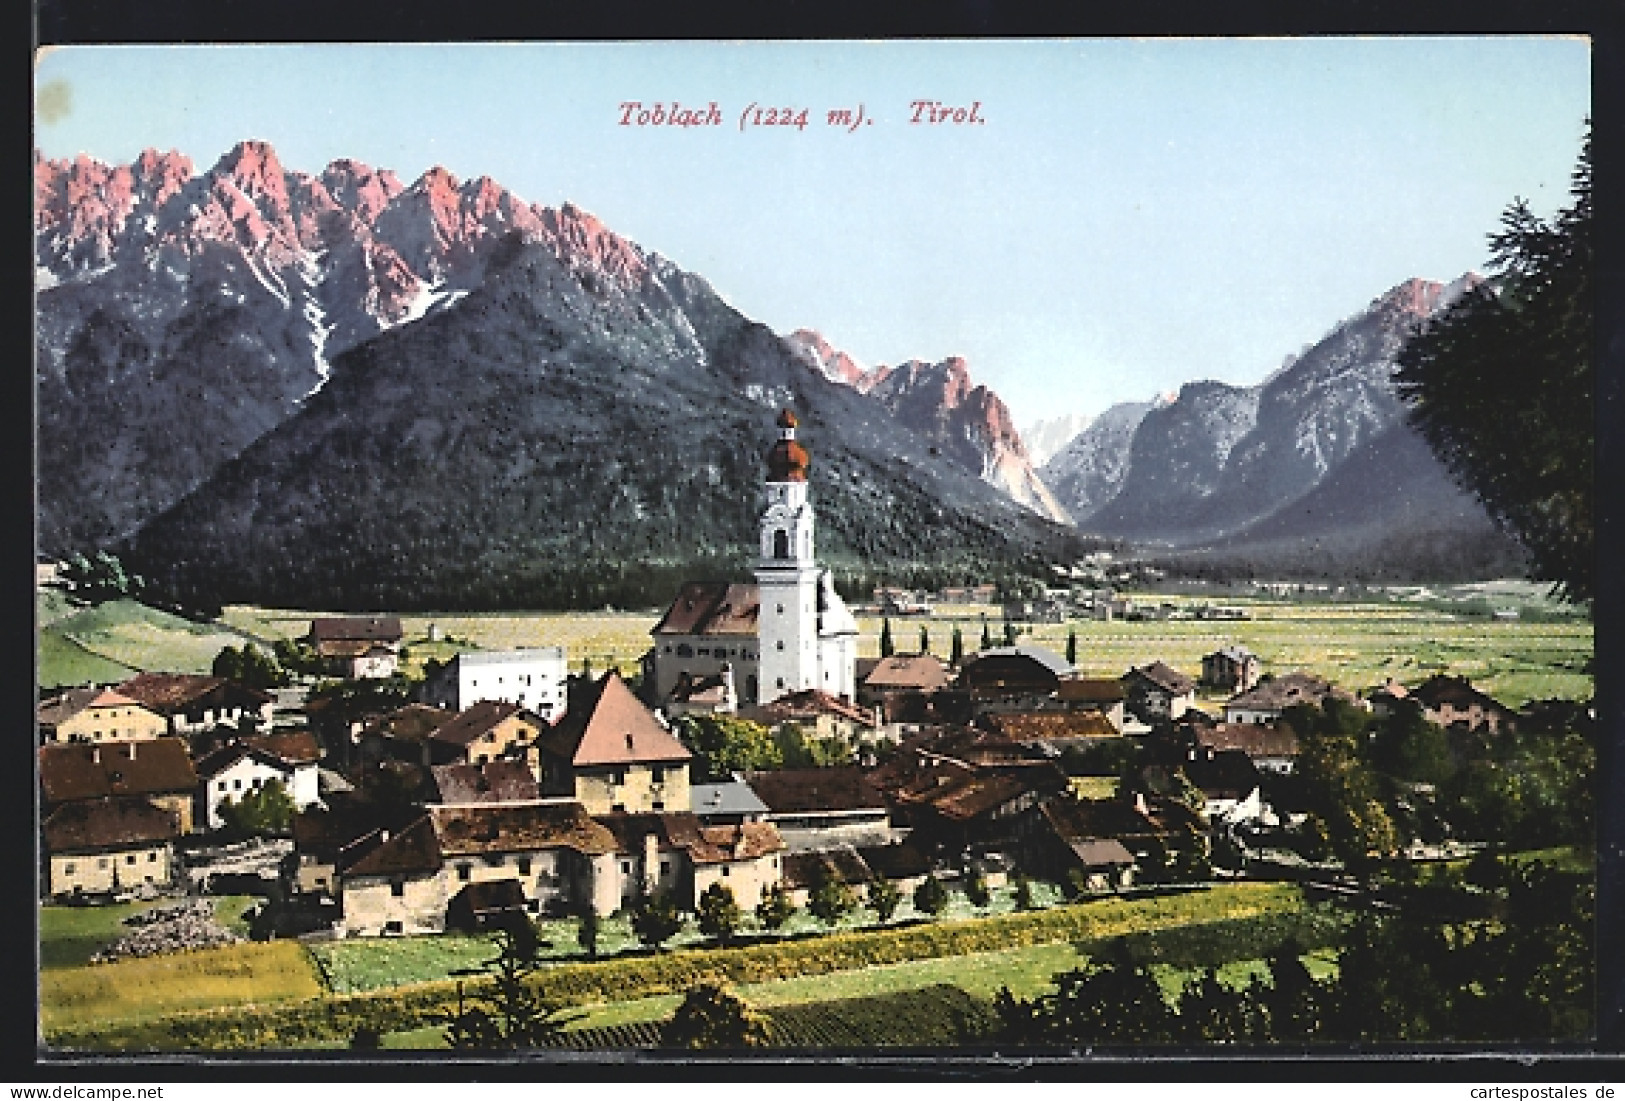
(580, 239)
(812, 349)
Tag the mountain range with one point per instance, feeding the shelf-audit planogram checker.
(263, 385)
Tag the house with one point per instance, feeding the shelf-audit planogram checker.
(490, 730)
(980, 807)
(806, 872)
(247, 765)
(676, 854)
(1152, 830)
(1104, 695)
(357, 647)
(401, 734)
(902, 685)
(108, 846)
(534, 679)
(1449, 701)
(818, 807)
(411, 880)
(502, 781)
(1271, 748)
(1012, 677)
(96, 715)
(790, 630)
(1273, 695)
(1229, 783)
(816, 714)
(610, 753)
(1158, 692)
(729, 803)
(1231, 669)
(159, 771)
(322, 833)
(1384, 701)
(194, 703)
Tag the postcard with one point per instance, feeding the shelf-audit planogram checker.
(907, 549)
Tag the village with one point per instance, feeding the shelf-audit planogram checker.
(509, 788)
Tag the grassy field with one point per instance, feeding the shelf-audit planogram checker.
(143, 989)
(70, 935)
(1355, 644)
(109, 641)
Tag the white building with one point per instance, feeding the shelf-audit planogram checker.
(789, 632)
(239, 769)
(534, 679)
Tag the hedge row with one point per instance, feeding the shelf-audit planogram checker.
(339, 1016)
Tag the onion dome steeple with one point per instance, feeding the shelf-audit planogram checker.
(787, 460)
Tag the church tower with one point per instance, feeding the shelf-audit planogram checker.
(787, 575)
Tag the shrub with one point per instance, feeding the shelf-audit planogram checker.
(931, 897)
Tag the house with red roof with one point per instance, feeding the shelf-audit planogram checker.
(611, 754)
(108, 846)
(98, 715)
(194, 703)
(247, 765)
(357, 646)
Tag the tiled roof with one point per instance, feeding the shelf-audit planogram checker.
(1456, 691)
(168, 693)
(154, 767)
(810, 869)
(924, 672)
(365, 628)
(1077, 819)
(803, 790)
(1237, 654)
(1045, 726)
(1101, 853)
(492, 782)
(293, 746)
(608, 725)
(901, 861)
(1253, 739)
(518, 827)
(725, 844)
(1049, 659)
(351, 647)
(1279, 693)
(478, 720)
(414, 849)
(975, 795)
(107, 823)
(59, 709)
(1164, 676)
(809, 703)
(412, 723)
(672, 829)
(1090, 689)
(712, 608)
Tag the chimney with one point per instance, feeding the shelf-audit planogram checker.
(95, 754)
(1139, 802)
(132, 750)
(629, 741)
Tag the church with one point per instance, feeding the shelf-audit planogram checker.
(722, 645)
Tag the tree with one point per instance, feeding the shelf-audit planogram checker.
(725, 745)
(512, 1016)
(775, 908)
(1072, 646)
(267, 811)
(1111, 1000)
(656, 919)
(956, 653)
(1502, 386)
(925, 639)
(987, 637)
(976, 890)
(719, 914)
(710, 1017)
(886, 647)
(883, 898)
(587, 932)
(931, 896)
(251, 666)
(100, 578)
(1024, 892)
(831, 900)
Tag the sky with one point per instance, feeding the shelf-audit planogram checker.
(1122, 216)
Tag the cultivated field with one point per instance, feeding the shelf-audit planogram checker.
(1356, 645)
(112, 641)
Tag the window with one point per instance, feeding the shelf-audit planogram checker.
(393, 927)
(665, 867)
(725, 869)
(68, 868)
(658, 804)
(780, 645)
(237, 784)
(221, 786)
(130, 858)
(781, 679)
(618, 777)
(658, 774)
(152, 858)
(626, 867)
(397, 888)
(781, 544)
(617, 808)
(463, 872)
(102, 864)
(321, 881)
(524, 865)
